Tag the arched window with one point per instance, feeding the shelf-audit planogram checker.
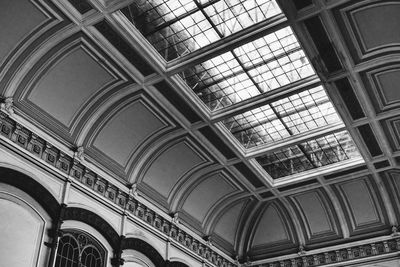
(77, 249)
(68, 252)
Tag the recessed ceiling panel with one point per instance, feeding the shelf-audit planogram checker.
(121, 135)
(227, 224)
(369, 27)
(361, 205)
(17, 20)
(315, 214)
(376, 24)
(205, 195)
(270, 229)
(382, 87)
(64, 89)
(171, 165)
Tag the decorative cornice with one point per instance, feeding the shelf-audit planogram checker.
(169, 227)
(76, 170)
(338, 256)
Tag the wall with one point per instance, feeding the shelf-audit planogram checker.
(26, 225)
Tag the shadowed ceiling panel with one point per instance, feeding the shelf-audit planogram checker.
(378, 25)
(227, 224)
(125, 131)
(360, 202)
(205, 195)
(170, 166)
(389, 84)
(314, 212)
(17, 19)
(382, 87)
(270, 229)
(65, 88)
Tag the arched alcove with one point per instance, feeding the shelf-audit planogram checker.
(31, 187)
(24, 227)
(95, 221)
(134, 258)
(142, 250)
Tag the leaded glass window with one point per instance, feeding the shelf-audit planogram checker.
(78, 249)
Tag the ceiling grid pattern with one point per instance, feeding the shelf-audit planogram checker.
(264, 103)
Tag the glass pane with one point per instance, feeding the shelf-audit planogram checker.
(282, 71)
(183, 36)
(230, 16)
(256, 127)
(271, 46)
(333, 148)
(220, 82)
(285, 162)
(306, 111)
(178, 27)
(259, 66)
(330, 149)
(289, 116)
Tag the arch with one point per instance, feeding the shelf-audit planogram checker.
(32, 188)
(133, 258)
(23, 219)
(283, 215)
(144, 248)
(95, 221)
(176, 264)
(251, 223)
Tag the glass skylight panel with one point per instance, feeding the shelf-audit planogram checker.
(256, 127)
(184, 36)
(285, 162)
(333, 148)
(298, 113)
(283, 71)
(158, 12)
(265, 64)
(231, 16)
(271, 46)
(330, 149)
(220, 81)
(306, 110)
(178, 27)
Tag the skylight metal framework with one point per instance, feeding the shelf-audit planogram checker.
(263, 64)
(286, 117)
(178, 27)
(312, 154)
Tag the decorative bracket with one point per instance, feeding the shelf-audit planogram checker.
(79, 153)
(7, 106)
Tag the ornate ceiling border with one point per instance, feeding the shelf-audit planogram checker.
(74, 168)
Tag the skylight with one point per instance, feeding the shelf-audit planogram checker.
(228, 83)
(260, 66)
(326, 150)
(178, 27)
(286, 117)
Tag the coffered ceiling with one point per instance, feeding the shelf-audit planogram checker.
(265, 125)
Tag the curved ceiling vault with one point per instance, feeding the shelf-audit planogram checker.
(164, 118)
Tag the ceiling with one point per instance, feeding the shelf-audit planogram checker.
(263, 150)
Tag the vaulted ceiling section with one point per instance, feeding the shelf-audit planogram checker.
(265, 125)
